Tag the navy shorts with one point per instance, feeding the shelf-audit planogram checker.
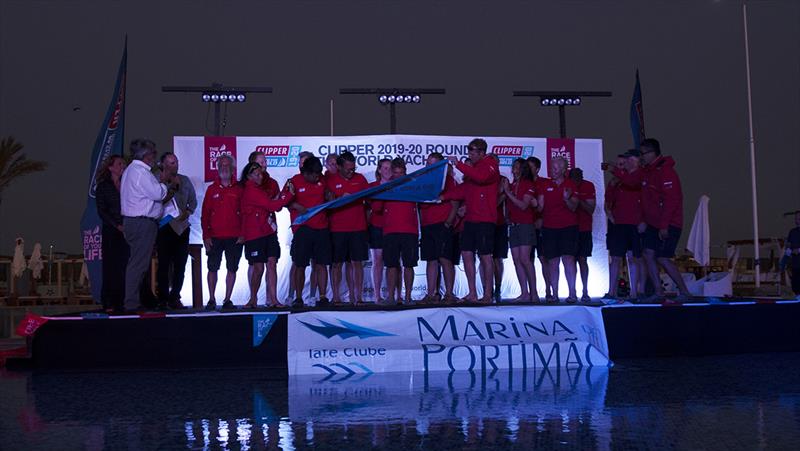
(624, 238)
(500, 241)
(350, 246)
(375, 237)
(478, 237)
(232, 250)
(559, 242)
(584, 244)
(260, 250)
(437, 242)
(400, 245)
(663, 248)
(311, 243)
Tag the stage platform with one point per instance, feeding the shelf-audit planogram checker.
(186, 338)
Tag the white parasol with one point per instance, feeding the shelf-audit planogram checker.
(35, 263)
(18, 263)
(700, 236)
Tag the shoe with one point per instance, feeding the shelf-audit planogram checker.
(298, 303)
(323, 302)
(228, 305)
(652, 299)
(571, 300)
(212, 305)
(586, 298)
(496, 297)
(176, 305)
(608, 296)
(550, 299)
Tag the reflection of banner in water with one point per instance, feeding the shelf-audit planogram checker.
(423, 185)
(443, 396)
(448, 339)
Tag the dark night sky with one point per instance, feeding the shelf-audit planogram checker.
(55, 55)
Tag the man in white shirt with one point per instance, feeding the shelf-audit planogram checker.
(142, 197)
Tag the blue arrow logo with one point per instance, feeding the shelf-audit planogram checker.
(345, 331)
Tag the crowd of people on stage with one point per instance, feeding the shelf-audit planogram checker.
(475, 223)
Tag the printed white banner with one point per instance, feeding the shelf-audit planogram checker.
(282, 159)
(446, 339)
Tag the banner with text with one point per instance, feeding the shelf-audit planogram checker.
(446, 339)
(282, 154)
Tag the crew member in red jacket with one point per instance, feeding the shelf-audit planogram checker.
(312, 238)
(535, 166)
(348, 226)
(221, 222)
(587, 201)
(437, 243)
(400, 238)
(662, 205)
(479, 192)
(260, 237)
(557, 202)
(383, 174)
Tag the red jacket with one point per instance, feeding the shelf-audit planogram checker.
(479, 190)
(435, 213)
(353, 216)
(662, 197)
(399, 216)
(220, 216)
(256, 207)
(624, 202)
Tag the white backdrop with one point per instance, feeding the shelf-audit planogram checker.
(282, 161)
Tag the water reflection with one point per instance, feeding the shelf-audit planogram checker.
(693, 403)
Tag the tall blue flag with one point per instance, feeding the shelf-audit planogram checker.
(422, 185)
(637, 114)
(109, 142)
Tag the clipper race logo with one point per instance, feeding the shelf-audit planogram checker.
(215, 148)
(507, 154)
(281, 156)
(560, 147)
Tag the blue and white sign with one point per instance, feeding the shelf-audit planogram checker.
(446, 339)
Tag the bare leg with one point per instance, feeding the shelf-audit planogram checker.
(432, 276)
(570, 273)
(357, 291)
(230, 280)
(300, 281)
(642, 273)
(469, 270)
(391, 282)
(547, 275)
(584, 267)
(212, 286)
(449, 274)
(555, 274)
(255, 283)
(348, 278)
(518, 257)
(487, 271)
(673, 272)
(652, 270)
(613, 275)
(271, 279)
(292, 278)
(377, 273)
(322, 280)
(314, 276)
(336, 281)
(408, 280)
(498, 276)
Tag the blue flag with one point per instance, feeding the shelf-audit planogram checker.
(423, 185)
(637, 114)
(109, 142)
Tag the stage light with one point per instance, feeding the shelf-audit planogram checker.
(223, 97)
(544, 102)
(576, 101)
(206, 98)
(415, 99)
(560, 102)
(241, 97)
(568, 102)
(399, 99)
(214, 98)
(383, 99)
(391, 99)
(408, 99)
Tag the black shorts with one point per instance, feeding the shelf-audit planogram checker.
(663, 248)
(537, 248)
(400, 245)
(232, 250)
(349, 246)
(500, 241)
(260, 250)
(455, 257)
(311, 243)
(478, 237)
(375, 237)
(559, 242)
(623, 238)
(584, 244)
(437, 242)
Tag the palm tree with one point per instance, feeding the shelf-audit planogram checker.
(14, 164)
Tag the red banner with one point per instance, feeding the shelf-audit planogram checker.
(215, 147)
(27, 327)
(560, 147)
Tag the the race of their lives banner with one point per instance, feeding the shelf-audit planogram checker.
(198, 157)
(446, 339)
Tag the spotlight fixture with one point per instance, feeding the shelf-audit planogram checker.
(215, 97)
(223, 97)
(392, 97)
(383, 99)
(217, 93)
(415, 98)
(241, 97)
(206, 97)
(561, 99)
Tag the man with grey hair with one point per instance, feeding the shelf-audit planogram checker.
(142, 197)
(172, 241)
